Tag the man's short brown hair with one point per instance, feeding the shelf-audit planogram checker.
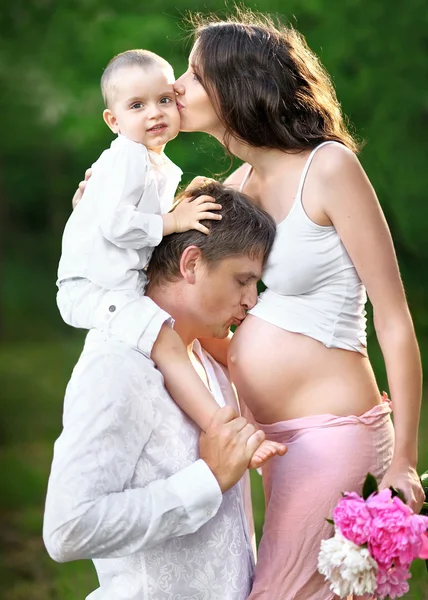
(244, 229)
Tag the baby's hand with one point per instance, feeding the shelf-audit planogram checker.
(265, 452)
(188, 213)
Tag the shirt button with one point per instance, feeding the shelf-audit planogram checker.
(209, 512)
(112, 308)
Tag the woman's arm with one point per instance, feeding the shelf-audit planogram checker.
(81, 188)
(349, 201)
(234, 180)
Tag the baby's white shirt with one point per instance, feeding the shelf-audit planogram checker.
(111, 233)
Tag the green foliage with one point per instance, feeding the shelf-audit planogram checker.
(35, 376)
(370, 486)
(397, 492)
(52, 53)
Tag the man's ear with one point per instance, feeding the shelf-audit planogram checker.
(111, 120)
(190, 261)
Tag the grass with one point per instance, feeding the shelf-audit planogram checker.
(33, 379)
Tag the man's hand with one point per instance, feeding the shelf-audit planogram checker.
(228, 445)
(79, 192)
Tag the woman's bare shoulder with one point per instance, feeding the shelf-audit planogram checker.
(236, 178)
(335, 159)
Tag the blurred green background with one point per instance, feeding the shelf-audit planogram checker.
(52, 55)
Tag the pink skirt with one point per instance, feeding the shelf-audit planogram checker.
(326, 455)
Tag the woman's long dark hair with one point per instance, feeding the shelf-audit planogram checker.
(268, 88)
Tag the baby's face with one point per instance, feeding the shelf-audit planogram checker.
(144, 105)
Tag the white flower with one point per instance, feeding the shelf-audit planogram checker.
(349, 568)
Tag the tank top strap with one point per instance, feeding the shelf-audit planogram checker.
(304, 172)
(306, 168)
(246, 176)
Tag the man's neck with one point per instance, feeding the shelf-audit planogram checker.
(171, 299)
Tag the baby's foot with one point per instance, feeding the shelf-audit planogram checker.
(266, 451)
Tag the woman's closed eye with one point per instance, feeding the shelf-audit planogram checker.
(194, 75)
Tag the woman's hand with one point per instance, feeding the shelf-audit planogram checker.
(79, 192)
(196, 183)
(404, 477)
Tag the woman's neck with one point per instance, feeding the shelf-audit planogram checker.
(265, 161)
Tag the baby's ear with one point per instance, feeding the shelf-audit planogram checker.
(111, 120)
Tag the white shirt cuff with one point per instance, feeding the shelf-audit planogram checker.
(154, 325)
(199, 490)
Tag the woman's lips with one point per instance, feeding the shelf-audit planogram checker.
(179, 105)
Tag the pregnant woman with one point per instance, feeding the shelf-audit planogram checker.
(299, 360)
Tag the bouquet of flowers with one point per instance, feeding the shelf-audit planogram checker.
(377, 536)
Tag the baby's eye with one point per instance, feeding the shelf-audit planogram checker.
(165, 100)
(137, 105)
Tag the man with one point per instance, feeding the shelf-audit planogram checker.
(128, 487)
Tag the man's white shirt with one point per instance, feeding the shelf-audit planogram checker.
(111, 234)
(127, 488)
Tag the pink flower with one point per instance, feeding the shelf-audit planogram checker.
(353, 519)
(396, 532)
(392, 582)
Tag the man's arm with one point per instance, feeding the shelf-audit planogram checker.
(91, 512)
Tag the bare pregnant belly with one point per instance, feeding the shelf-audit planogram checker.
(282, 375)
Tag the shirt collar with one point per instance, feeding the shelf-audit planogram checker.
(158, 159)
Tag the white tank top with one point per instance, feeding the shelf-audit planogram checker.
(312, 285)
